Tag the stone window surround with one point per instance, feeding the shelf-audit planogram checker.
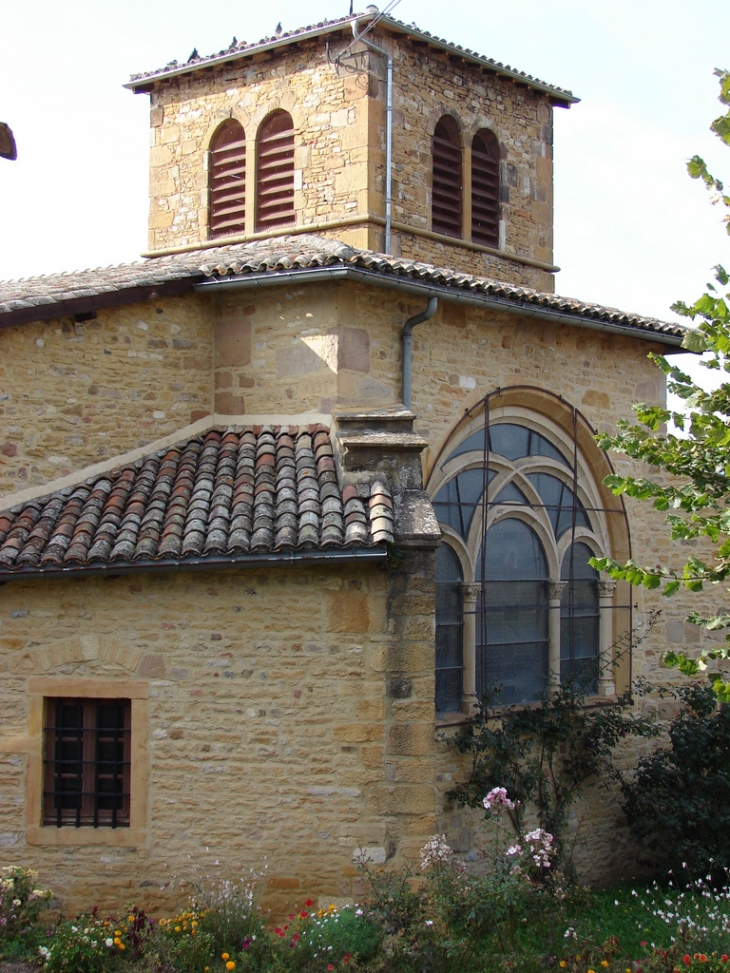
(468, 133)
(251, 125)
(40, 689)
(597, 540)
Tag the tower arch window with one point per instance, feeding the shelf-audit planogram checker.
(485, 188)
(275, 171)
(227, 180)
(446, 202)
(522, 511)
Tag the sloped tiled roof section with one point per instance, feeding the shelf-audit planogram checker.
(51, 296)
(238, 49)
(232, 493)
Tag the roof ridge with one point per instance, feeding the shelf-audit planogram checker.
(243, 48)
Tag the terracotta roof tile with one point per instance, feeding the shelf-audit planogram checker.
(234, 491)
(42, 298)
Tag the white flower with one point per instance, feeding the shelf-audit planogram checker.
(435, 851)
(497, 798)
(513, 850)
(109, 942)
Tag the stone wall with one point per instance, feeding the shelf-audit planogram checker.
(362, 722)
(289, 722)
(73, 394)
(330, 115)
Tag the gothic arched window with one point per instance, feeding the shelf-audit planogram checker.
(517, 604)
(227, 182)
(275, 171)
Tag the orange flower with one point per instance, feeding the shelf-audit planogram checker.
(230, 965)
(225, 956)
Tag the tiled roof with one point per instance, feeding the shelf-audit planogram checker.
(233, 492)
(40, 298)
(237, 49)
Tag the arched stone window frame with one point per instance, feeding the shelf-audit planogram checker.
(607, 533)
(447, 177)
(227, 204)
(279, 179)
(485, 189)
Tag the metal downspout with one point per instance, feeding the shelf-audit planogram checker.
(388, 135)
(406, 337)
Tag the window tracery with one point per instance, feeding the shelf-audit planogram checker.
(518, 603)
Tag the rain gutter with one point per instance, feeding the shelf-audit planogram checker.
(216, 562)
(427, 291)
(406, 337)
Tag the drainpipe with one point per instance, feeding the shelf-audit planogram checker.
(388, 135)
(406, 337)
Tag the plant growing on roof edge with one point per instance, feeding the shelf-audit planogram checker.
(697, 497)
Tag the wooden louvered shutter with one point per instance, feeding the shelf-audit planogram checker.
(275, 172)
(485, 189)
(228, 180)
(447, 183)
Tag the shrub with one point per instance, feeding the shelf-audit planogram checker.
(21, 900)
(227, 912)
(544, 755)
(180, 944)
(87, 944)
(453, 920)
(678, 802)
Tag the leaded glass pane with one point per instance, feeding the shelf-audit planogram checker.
(510, 494)
(512, 614)
(558, 499)
(449, 631)
(579, 620)
(512, 441)
(512, 552)
(457, 500)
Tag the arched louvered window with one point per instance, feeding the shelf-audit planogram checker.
(228, 180)
(446, 206)
(275, 172)
(485, 189)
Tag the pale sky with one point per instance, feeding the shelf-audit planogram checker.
(631, 229)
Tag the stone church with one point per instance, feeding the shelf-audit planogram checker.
(281, 500)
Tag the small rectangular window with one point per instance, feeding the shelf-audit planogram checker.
(87, 763)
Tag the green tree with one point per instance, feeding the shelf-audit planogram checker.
(697, 498)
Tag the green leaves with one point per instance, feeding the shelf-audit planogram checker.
(696, 495)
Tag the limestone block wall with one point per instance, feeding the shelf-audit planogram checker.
(301, 348)
(73, 394)
(330, 115)
(287, 721)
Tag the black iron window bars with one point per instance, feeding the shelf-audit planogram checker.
(87, 763)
